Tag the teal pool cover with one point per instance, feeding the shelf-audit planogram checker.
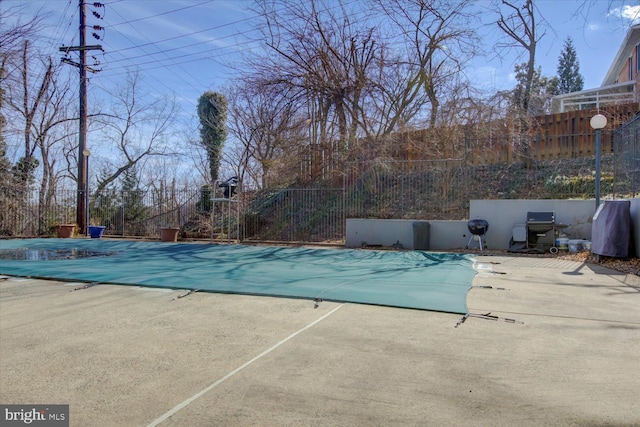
(411, 279)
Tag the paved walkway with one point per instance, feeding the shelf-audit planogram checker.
(548, 342)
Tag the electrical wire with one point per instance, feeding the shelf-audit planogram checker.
(235, 34)
(244, 40)
(161, 14)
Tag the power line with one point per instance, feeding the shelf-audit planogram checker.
(164, 65)
(160, 14)
(169, 62)
(210, 51)
(217, 27)
(151, 43)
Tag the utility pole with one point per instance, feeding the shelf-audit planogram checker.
(81, 206)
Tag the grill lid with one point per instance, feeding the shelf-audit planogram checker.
(541, 217)
(478, 226)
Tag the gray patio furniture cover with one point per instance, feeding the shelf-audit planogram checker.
(611, 229)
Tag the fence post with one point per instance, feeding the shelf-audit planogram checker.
(465, 172)
(39, 230)
(122, 212)
(402, 177)
(344, 197)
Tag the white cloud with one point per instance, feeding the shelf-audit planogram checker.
(593, 27)
(632, 13)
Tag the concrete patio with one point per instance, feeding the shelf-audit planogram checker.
(548, 342)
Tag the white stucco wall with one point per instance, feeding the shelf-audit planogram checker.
(502, 215)
(383, 232)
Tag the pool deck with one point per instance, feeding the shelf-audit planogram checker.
(562, 349)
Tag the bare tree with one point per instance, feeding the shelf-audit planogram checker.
(41, 104)
(440, 37)
(15, 30)
(324, 57)
(518, 23)
(517, 20)
(52, 130)
(28, 104)
(34, 101)
(360, 78)
(270, 134)
(137, 126)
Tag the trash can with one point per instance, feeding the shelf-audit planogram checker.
(421, 236)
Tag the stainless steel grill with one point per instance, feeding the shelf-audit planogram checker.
(541, 230)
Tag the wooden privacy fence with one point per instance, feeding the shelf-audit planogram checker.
(551, 137)
(569, 134)
(557, 136)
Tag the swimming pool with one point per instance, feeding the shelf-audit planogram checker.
(411, 279)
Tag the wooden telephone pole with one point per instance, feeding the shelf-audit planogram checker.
(83, 157)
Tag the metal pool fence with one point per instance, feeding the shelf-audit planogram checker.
(626, 142)
(426, 189)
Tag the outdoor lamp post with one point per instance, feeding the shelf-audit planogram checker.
(86, 153)
(598, 122)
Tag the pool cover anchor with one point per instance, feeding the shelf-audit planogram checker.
(191, 291)
(462, 320)
(486, 316)
(86, 286)
(489, 287)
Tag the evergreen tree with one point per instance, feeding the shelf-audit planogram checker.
(206, 194)
(105, 209)
(212, 110)
(570, 79)
(135, 212)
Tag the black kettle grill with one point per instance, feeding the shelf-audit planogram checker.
(478, 228)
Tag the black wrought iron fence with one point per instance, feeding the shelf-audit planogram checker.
(143, 213)
(428, 189)
(295, 215)
(626, 141)
(28, 213)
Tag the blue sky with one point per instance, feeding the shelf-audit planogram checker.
(184, 47)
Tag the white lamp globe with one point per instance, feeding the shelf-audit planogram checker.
(598, 121)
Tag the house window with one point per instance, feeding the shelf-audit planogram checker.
(637, 57)
(630, 66)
